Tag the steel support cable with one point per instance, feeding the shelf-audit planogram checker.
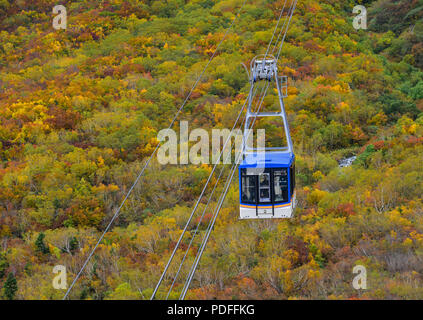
(195, 233)
(283, 26)
(176, 247)
(203, 213)
(201, 219)
(208, 232)
(273, 34)
(195, 209)
(216, 213)
(212, 222)
(170, 260)
(274, 31)
(287, 27)
(116, 214)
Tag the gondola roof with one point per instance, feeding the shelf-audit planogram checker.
(267, 160)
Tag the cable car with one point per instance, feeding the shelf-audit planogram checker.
(269, 192)
(267, 175)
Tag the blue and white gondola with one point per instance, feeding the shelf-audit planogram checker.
(267, 176)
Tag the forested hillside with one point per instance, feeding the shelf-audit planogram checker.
(80, 110)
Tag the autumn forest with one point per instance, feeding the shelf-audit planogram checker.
(81, 108)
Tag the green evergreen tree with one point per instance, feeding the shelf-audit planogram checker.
(73, 244)
(40, 245)
(10, 286)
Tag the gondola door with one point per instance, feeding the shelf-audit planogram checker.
(265, 206)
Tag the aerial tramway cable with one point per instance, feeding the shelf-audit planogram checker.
(176, 247)
(215, 214)
(262, 94)
(227, 185)
(291, 9)
(204, 211)
(201, 218)
(289, 22)
(221, 172)
(193, 212)
(195, 207)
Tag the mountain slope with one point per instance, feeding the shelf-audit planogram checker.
(80, 110)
